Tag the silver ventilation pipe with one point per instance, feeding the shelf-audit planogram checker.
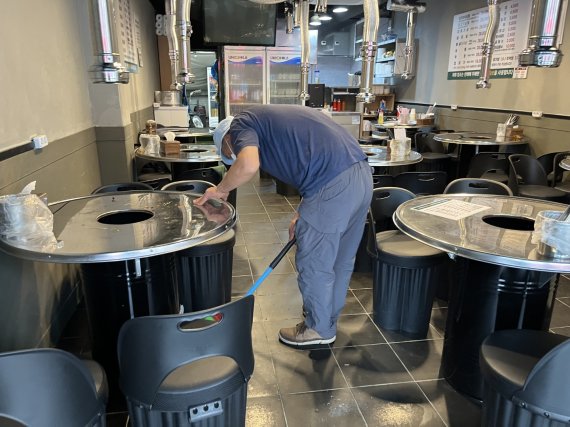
(412, 8)
(487, 48)
(296, 14)
(170, 31)
(289, 18)
(108, 69)
(368, 50)
(409, 62)
(184, 32)
(545, 34)
(305, 51)
(321, 6)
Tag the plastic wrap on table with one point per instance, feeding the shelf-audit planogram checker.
(552, 235)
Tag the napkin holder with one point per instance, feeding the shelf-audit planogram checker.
(170, 147)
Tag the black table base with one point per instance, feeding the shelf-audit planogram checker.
(485, 298)
(117, 291)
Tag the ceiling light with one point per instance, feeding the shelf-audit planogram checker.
(324, 17)
(315, 21)
(340, 9)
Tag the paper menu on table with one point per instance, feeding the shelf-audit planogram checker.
(450, 209)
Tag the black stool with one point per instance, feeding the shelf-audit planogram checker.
(526, 379)
(206, 273)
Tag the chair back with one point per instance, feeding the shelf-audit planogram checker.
(382, 181)
(385, 201)
(525, 170)
(425, 143)
(547, 162)
(213, 174)
(195, 186)
(48, 387)
(124, 186)
(546, 387)
(477, 186)
(558, 171)
(421, 183)
(484, 162)
(149, 348)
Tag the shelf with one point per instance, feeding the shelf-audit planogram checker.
(232, 103)
(385, 59)
(386, 42)
(283, 96)
(245, 84)
(285, 81)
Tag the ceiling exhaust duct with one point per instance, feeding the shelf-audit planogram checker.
(321, 6)
(184, 32)
(368, 50)
(305, 50)
(412, 8)
(109, 68)
(170, 31)
(545, 34)
(487, 48)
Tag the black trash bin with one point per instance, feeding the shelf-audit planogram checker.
(206, 273)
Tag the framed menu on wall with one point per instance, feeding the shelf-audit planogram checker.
(467, 39)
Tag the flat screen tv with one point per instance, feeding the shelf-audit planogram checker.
(239, 22)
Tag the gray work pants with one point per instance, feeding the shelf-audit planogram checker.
(328, 233)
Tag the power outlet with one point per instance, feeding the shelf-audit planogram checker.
(454, 107)
(537, 114)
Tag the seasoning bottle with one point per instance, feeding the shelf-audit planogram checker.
(342, 105)
(149, 140)
(380, 117)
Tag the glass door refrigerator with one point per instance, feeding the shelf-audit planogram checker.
(283, 75)
(244, 78)
(212, 98)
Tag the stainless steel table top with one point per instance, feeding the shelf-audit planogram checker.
(185, 132)
(565, 163)
(476, 138)
(474, 238)
(189, 153)
(392, 125)
(129, 225)
(379, 156)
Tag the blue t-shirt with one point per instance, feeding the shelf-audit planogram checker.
(298, 145)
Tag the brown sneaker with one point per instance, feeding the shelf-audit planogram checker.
(301, 335)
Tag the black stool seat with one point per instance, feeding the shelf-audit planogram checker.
(542, 192)
(496, 175)
(399, 249)
(526, 379)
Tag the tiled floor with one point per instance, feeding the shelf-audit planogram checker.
(369, 376)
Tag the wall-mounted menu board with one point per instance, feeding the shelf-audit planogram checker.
(129, 40)
(467, 39)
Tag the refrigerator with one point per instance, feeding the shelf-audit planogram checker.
(283, 75)
(259, 75)
(212, 98)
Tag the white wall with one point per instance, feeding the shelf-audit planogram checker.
(545, 90)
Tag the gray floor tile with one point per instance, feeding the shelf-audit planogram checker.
(264, 250)
(256, 218)
(281, 217)
(322, 409)
(265, 411)
(455, 408)
(438, 319)
(283, 207)
(241, 284)
(395, 336)
(241, 268)
(255, 209)
(307, 370)
(263, 381)
(259, 339)
(371, 365)
(240, 252)
(261, 237)
(279, 284)
(422, 358)
(278, 307)
(259, 265)
(352, 305)
(361, 281)
(357, 330)
(262, 227)
(396, 405)
(565, 330)
(364, 296)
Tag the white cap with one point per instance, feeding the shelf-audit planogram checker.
(219, 134)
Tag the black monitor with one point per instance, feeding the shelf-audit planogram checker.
(239, 22)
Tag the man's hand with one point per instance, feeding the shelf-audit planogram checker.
(292, 226)
(211, 193)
